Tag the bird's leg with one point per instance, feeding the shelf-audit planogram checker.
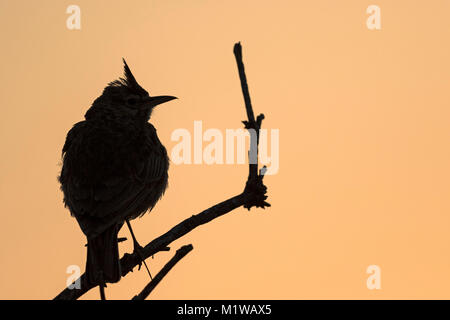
(102, 286)
(138, 249)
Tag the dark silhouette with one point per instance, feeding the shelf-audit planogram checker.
(114, 170)
(254, 195)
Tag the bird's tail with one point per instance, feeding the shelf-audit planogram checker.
(102, 263)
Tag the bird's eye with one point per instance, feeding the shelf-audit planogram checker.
(132, 101)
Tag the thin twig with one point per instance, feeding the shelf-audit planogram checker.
(251, 125)
(240, 64)
(180, 254)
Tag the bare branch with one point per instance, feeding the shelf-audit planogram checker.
(130, 261)
(180, 254)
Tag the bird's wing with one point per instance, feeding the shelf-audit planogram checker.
(72, 134)
(133, 189)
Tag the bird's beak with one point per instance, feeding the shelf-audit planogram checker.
(154, 101)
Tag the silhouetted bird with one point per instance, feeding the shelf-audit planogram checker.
(114, 170)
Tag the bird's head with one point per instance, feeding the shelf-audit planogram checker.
(126, 97)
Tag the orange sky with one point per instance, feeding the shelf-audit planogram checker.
(363, 115)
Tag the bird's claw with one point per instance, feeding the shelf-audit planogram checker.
(138, 249)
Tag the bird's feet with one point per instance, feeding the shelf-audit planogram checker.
(139, 251)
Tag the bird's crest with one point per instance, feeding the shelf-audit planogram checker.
(128, 79)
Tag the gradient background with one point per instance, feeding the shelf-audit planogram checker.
(364, 142)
